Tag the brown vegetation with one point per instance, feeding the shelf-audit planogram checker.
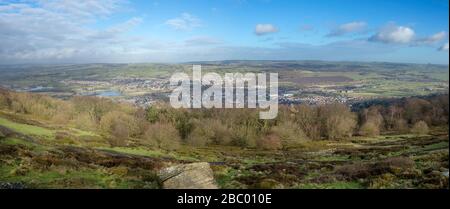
(166, 128)
(420, 128)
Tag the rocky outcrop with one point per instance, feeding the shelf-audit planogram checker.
(9, 185)
(188, 176)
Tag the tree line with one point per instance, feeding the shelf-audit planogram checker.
(162, 127)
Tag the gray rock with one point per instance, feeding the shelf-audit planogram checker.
(188, 176)
(12, 185)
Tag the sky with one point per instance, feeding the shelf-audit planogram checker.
(173, 31)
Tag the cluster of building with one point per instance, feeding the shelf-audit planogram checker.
(317, 96)
(124, 84)
(87, 85)
(140, 84)
(314, 100)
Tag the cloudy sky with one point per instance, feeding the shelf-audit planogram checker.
(86, 31)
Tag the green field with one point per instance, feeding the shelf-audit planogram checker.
(379, 79)
(27, 129)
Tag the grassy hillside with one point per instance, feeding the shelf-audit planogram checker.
(393, 161)
(89, 148)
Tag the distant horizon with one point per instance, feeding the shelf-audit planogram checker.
(232, 60)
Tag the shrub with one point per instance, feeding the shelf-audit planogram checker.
(94, 106)
(200, 137)
(115, 141)
(369, 129)
(372, 115)
(209, 131)
(4, 103)
(290, 134)
(383, 181)
(243, 136)
(337, 121)
(269, 142)
(62, 135)
(64, 113)
(17, 107)
(221, 133)
(163, 136)
(340, 126)
(119, 124)
(307, 119)
(61, 118)
(401, 126)
(152, 114)
(420, 128)
(84, 121)
(417, 109)
(354, 171)
(183, 124)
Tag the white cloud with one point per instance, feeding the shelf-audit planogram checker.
(435, 38)
(118, 29)
(184, 22)
(11, 7)
(351, 27)
(394, 34)
(444, 47)
(47, 31)
(263, 29)
(85, 8)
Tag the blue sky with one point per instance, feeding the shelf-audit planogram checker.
(66, 31)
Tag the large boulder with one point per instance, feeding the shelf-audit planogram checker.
(188, 176)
